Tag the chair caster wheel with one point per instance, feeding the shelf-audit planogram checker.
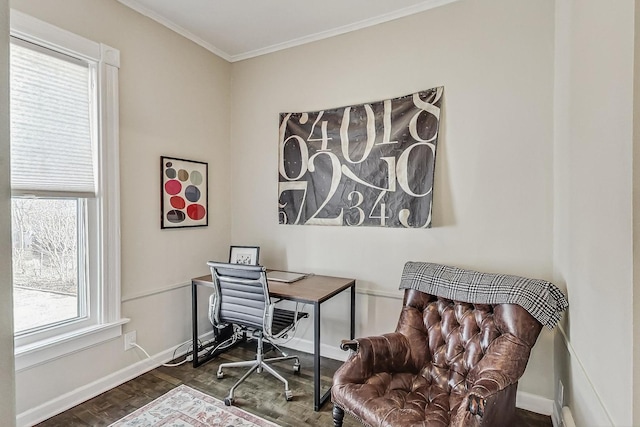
(288, 394)
(296, 369)
(220, 375)
(228, 401)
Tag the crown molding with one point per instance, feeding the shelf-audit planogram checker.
(133, 4)
(380, 19)
(411, 10)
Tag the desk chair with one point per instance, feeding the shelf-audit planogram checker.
(241, 297)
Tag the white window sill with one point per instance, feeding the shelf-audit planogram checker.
(44, 351)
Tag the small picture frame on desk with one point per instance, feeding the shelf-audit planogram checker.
(247, 255)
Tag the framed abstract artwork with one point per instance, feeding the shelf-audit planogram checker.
(184, 197)
(247, 255)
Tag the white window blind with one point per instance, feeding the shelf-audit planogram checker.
(51, 137)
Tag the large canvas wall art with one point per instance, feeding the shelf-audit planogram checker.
(363, 165)
(183, 193)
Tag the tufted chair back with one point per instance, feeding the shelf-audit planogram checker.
(447, 363)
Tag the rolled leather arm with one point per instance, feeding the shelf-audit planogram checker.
(347, 345)
(476, 404)
(498, 369)
(385, 353)
(501, 367)
(476, 411)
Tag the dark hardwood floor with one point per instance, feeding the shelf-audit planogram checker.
(260, 394)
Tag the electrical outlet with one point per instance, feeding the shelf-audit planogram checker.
(560, 396)
(556, 415)
(129, 340)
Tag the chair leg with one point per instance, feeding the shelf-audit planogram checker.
(278, 348)
(338, 416)
(258, 365)
(279, 359)
(229, 400)
(288, 394)
(242, 364)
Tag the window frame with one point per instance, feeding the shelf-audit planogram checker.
(37, 348)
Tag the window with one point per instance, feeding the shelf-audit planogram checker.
(64, 184)
(48, 287)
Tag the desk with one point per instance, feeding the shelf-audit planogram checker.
(310, 290)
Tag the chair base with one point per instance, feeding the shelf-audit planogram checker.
(259, 364)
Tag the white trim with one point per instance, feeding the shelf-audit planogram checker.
(155, 291)
(42, 33)
(574, 355)
(411, 10)
(534, 403)
(60, 404)
(143, 10)
(306, 346)
(567, 417)
(382, 294)
(39, 352)
(105, 255)
(421, 7)
(110, 56)
(110, 183)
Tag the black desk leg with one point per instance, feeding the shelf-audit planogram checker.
(194, 320)
(319, 400)
(353, 310)
(316, 357)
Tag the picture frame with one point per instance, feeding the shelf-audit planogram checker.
(248, 255)
(184, 193)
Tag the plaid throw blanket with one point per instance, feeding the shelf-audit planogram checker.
(542, 299)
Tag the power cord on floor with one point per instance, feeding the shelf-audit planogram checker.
(169, 365)
(223, 345)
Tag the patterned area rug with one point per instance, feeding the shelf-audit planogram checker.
(186, 407)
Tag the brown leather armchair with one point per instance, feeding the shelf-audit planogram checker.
(449, 363)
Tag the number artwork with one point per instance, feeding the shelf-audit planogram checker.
(364, 165)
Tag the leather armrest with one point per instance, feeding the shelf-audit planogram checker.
(352, 345)
(477, 411)
(386, 353)
(476, 404)
(495, 372)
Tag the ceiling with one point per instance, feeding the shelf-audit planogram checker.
(241, 29)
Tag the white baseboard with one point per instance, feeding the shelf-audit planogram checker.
(82, 394)
(567, 418)
(534, 403)
(306, 346)
(528, 401)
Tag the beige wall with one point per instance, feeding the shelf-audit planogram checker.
(493, 187)
(524, 182)
(174, 100)
(593, 206)
(7, 396)
(636, 219)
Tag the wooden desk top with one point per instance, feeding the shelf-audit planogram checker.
(311, 289)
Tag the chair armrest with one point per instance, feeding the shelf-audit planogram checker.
(385, 353)
(492, 382)
(476, 404)
(501, 366)
(350, 345)
(476, 411)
